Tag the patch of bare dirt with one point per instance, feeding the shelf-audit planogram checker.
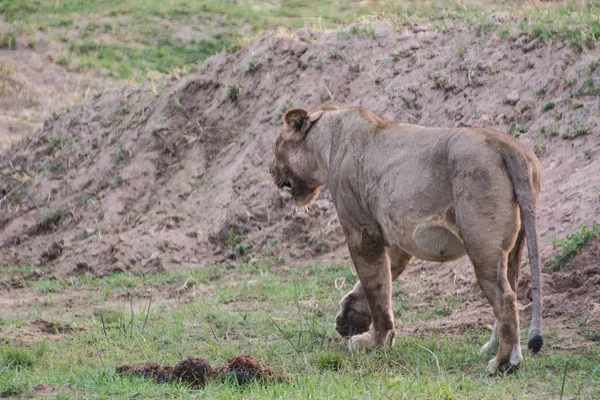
(37, 331)
(137, 181)
(573, 295)
(44, 390)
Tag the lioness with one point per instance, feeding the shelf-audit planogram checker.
(404, 191)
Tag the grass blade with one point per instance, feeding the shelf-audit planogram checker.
(283, 333)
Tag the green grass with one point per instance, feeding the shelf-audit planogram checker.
(253, 65)
(49, 218)
(571, 244)
(21, 193)
(120, 154)
(18, 358)
(233, 92)
(285, 318)
(576, 131)
(127, 38)
(163, 56)
(8, 40)
(547, 106)
(119, 180)
(16, 272)
(281, 111)
(55, 167)
(517, 129)
(588, 88)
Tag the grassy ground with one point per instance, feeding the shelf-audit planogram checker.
(127, 38)
(284, 318)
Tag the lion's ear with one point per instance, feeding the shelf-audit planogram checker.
(300, 121)
(295, 119)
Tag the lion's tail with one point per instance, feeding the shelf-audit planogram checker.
(524, 173)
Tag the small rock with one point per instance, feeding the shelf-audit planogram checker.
(512, 98)
(406, 36)
(176, 260)
(89, 232)
(450, 86)
(523, 106)
(500, 119)
(355, 68)
(497, 56)
(303, 64)
(501, 17)
(153, 265)
(531, 45)
(81, 268)
(485, 118)
(322, 204)
(431, 54)
(415, 88)
(301, 216)
(284, 197)
(420, 28)
(54, 251)
(520, 42)
(303, 34)
(299, 48)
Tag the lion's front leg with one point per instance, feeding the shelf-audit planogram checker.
(354, 317)
(373, 268)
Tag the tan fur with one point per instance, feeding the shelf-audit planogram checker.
(433, 193)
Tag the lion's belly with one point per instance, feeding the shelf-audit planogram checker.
(435, 239)
(437, 243)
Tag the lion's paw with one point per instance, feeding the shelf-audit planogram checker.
(354, 317)
(507, 366)
(490, 347)
(360, 342)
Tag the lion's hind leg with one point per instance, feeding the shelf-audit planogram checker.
(513, 271)
(488, 218)
(503, 299)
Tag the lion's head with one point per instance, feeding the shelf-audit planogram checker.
(295, 167)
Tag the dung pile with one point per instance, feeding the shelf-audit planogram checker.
(197, 372)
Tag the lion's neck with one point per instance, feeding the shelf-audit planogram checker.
(319, 144)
